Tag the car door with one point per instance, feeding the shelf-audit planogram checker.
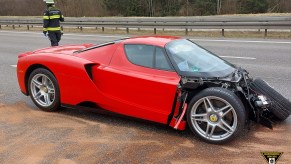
(139, 82)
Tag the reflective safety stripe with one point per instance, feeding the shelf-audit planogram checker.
(54, 28)
(44, 29)
(55, 17)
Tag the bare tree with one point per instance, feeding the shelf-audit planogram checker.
(150, 8)
(218, 6)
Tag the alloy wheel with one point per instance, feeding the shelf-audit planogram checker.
(42, 90)
(214, 118)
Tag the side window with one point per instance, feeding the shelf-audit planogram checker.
(161, 61)
(139, 54)
(147, 56)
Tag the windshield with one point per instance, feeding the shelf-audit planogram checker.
(189, 59)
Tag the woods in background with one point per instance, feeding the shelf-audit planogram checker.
(96, 8)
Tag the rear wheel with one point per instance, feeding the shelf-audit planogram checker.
(44, 90)
(216, 115)
(280, 106)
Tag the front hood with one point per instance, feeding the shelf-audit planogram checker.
(66, 49)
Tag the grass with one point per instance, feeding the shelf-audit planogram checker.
(191, 33)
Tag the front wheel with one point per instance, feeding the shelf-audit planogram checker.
(216, 115)
(44, 90)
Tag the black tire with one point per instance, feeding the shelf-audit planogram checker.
(44, 90)
(280, 106)
(234, 115)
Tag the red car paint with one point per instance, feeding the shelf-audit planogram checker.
(117, 85)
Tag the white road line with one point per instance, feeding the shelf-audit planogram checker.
(66, 34)
(13, 66)
(237, 57)
(243, 41)
(104, 36)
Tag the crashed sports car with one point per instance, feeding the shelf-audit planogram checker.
(168, 80)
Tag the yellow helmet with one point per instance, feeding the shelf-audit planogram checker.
(49, 1)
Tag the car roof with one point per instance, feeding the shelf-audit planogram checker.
(151, 40)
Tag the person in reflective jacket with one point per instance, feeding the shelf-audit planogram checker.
(51, 23)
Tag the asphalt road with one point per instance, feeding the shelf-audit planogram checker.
(74, 136)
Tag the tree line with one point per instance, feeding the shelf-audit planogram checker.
(97, 8)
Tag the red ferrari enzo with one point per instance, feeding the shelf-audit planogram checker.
(168, 80)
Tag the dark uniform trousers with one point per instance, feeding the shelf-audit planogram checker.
(51, 24)
(55, 37)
